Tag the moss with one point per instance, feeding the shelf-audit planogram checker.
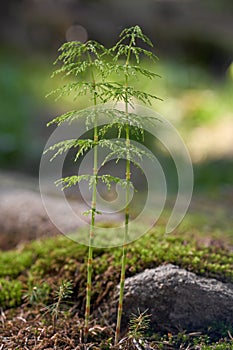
(42, 265)
(218, 346)
(14, 263)
(184, 340)
(10, 293)
(55, 259)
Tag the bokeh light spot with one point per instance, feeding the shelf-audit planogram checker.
(76, 32)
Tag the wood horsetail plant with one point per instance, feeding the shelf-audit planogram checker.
(127, 49)
(90, 67)
(78, 60)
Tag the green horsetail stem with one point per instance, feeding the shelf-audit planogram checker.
(92, 228)
(124, 246)
(134, 33)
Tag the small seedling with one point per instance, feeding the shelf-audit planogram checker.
(138, 326)
(63, 293)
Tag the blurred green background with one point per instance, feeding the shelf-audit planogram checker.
(193, 39)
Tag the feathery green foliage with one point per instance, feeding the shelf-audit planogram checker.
(128, 49)
(84, 63)
(93, 74)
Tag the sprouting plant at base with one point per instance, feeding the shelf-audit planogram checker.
(64, 292)
(139, 324)
(127, 48)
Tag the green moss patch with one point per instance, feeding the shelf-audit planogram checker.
(31, 276)
(55, 259)
(10, 293)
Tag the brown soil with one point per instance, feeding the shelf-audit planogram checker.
(30, 329)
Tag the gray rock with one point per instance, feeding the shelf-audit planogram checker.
(24, 218)
(177, 299)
